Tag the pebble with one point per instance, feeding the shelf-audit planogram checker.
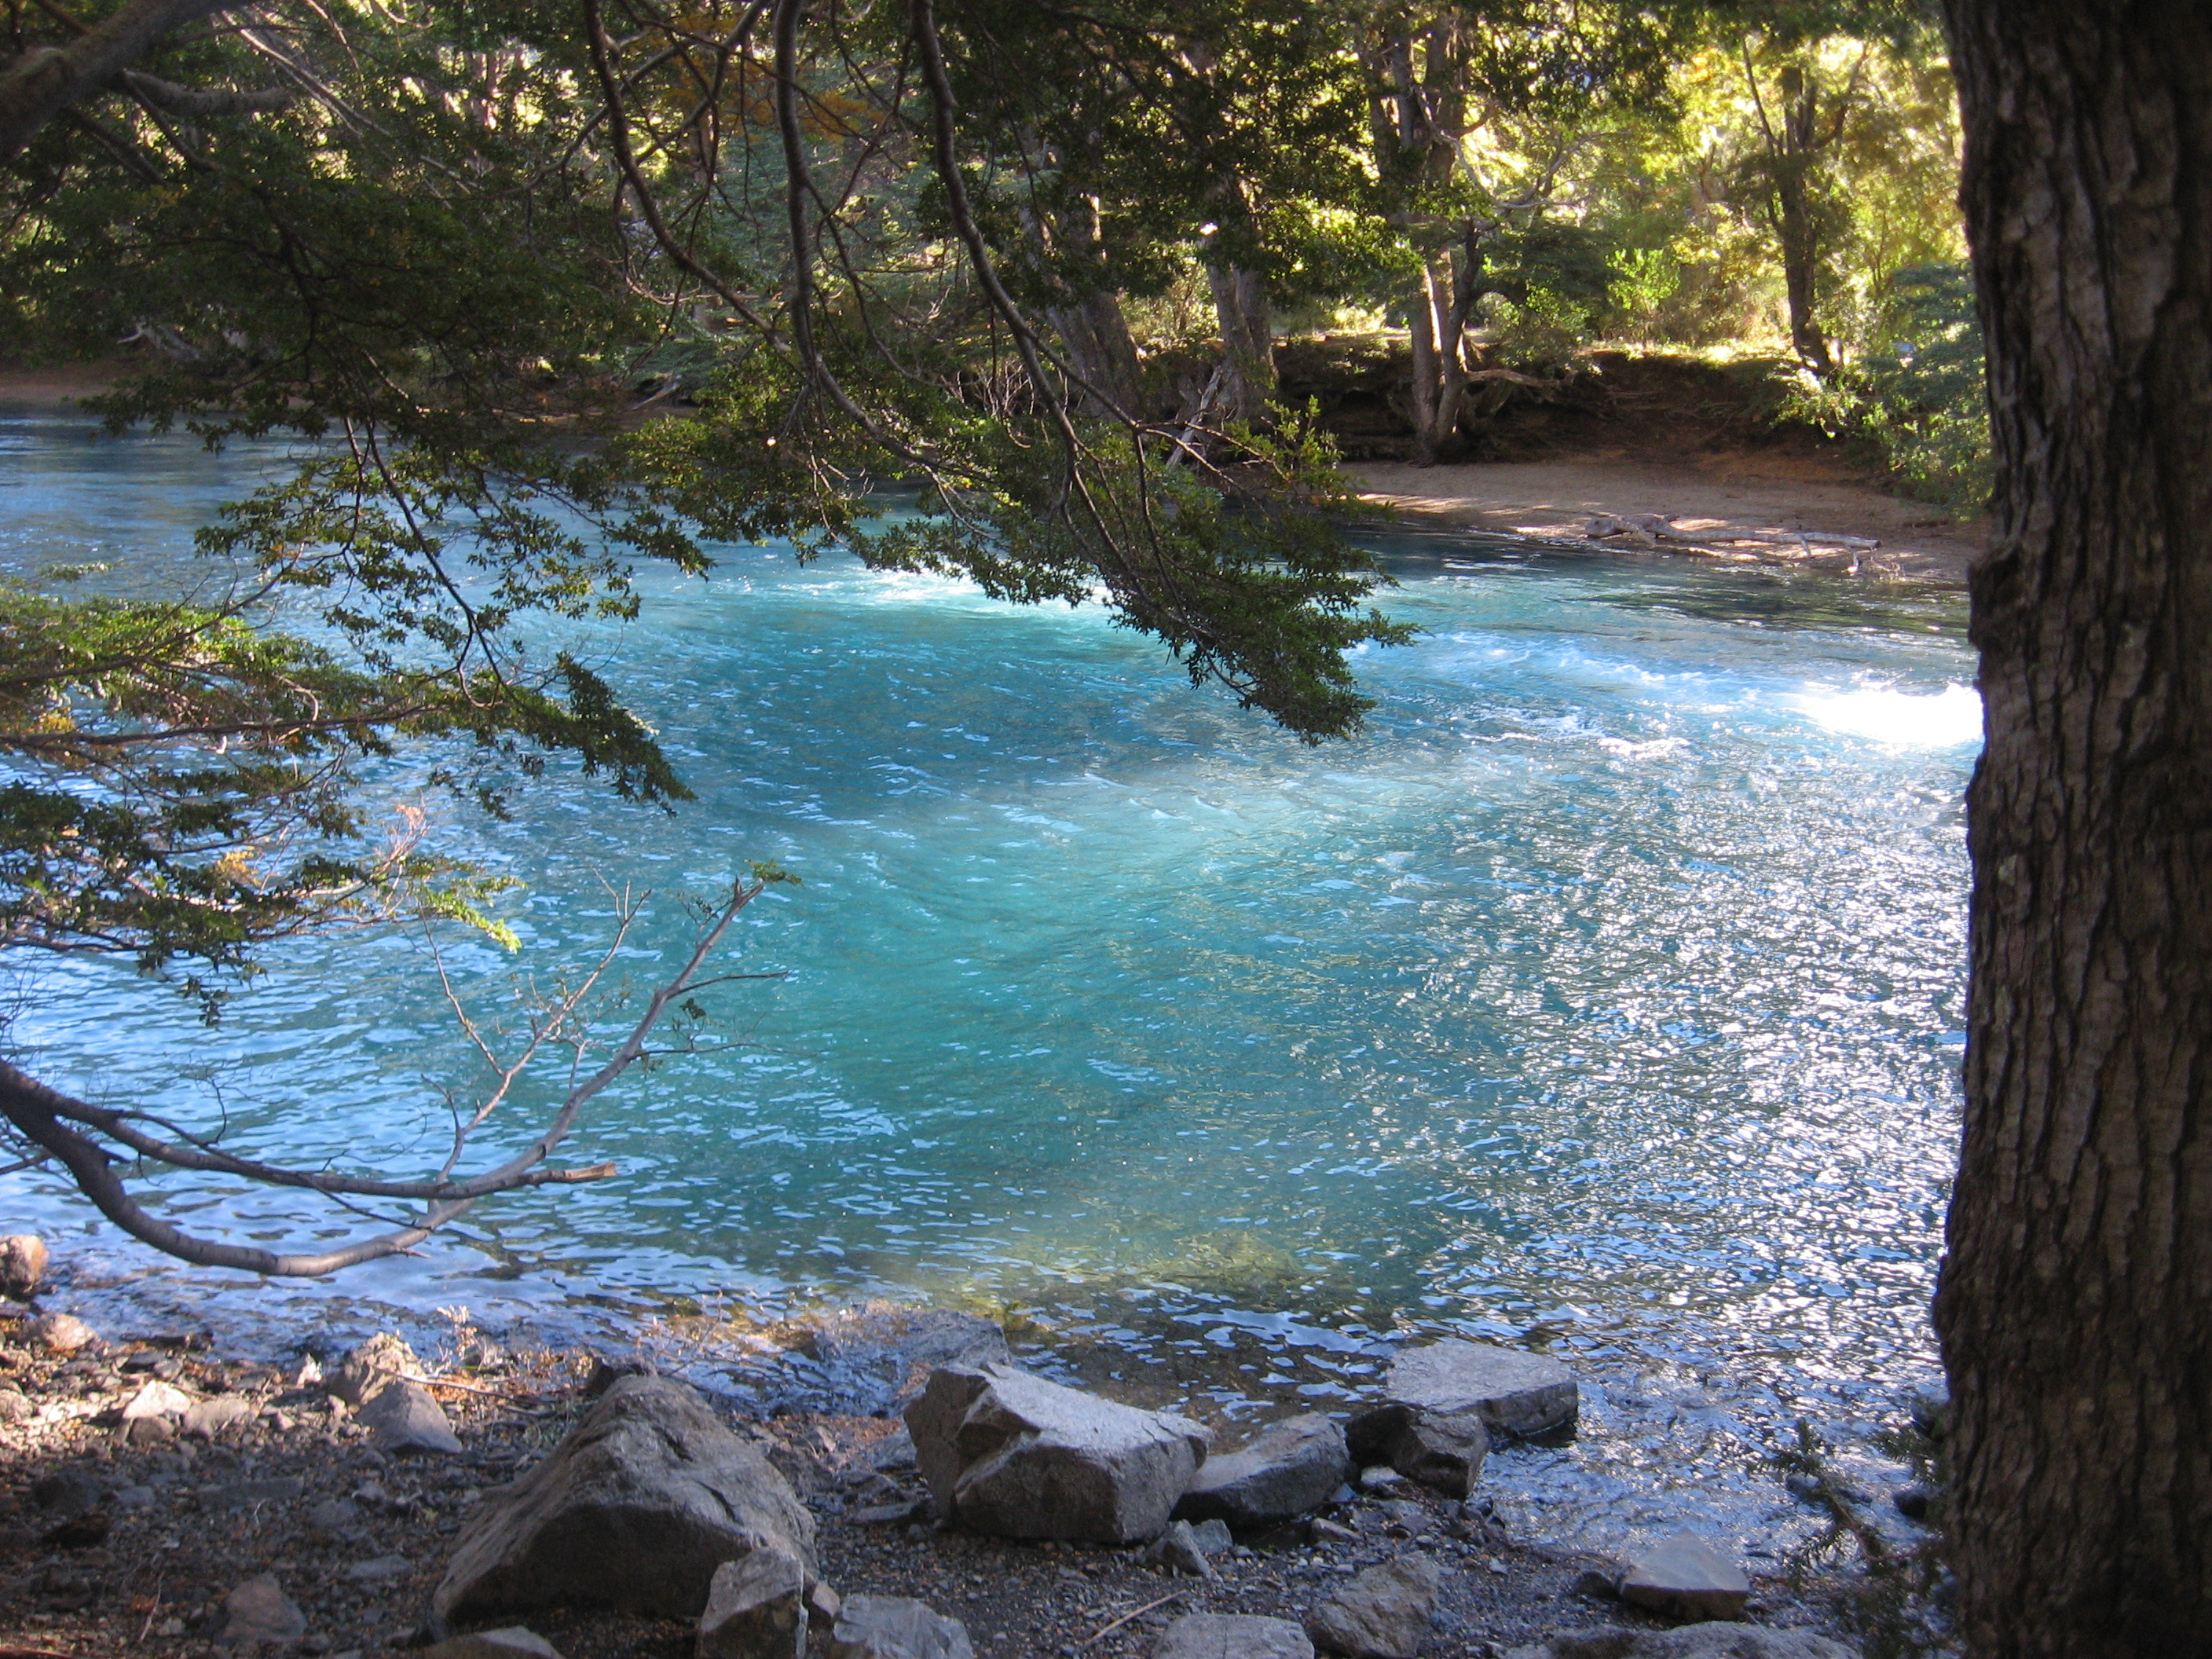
(61, 1333)
(381, 1570)
(258, 1612)
(1686, 1577)
(514, 1642)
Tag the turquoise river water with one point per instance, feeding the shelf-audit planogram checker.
(1607, 992)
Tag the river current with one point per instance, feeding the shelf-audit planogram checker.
(1605, 995)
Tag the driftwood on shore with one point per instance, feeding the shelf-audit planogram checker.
(1657, 530)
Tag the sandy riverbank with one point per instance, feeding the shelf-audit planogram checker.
(1713, 499)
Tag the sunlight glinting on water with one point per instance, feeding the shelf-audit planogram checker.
(1610, 985)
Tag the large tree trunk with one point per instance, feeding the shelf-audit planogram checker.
(1095, 334)
(2076, 1301)
(1248, 345)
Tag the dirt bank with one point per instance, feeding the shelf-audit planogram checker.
(1746, 506)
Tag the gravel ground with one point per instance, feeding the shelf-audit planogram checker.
(117, 1540)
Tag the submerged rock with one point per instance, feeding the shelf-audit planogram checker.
(1012, 1454)
(1689, 1578)
(1289, 1469)
(1383, 1613)
(1232, 1635)
(879, 1355)
(634, 1511)
(897, 1627)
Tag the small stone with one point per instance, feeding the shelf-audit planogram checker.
(372, 1367)
(380, 1570)
(1383, 1613)
(756, 1609)
(335, 1517)
(897, 1627)
(823, 1605)
(1686, 1577)
(1379, 1477)
(66, 1493)
(157, 1399)
(133, 1497)
(209, 1417)
(61, 1333)
(1931, 1410)
(884, 1515)
(1212, 1537)
(1707, 1641)
(16, 1407)
(404, 1416)
(149, 1432)
(513, 1643)
(22, 1265)
(258, 1612)
(1232, 1635)
(1599, 1584)
(246, 1494)
(1914, 1502)
(1178, 1548)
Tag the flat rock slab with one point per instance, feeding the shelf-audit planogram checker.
(1289, 1469)
(897, 1627)
(1014, 1455)
(756, 1609)
(1689, 1578)
(1709, 1641)
(512, 1643)
(406, 1417)
(1383, 1613)
(634, 1510)
(257, 1614)
(1232, 1635)
(1513, 1392)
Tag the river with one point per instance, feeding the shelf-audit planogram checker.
(1606, 994)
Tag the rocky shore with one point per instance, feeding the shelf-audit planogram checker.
(496, 1499)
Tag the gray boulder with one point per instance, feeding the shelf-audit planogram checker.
(756, 1609)
(1013, 1454)
(634, 1511)
(1687, 1641)
(406, 1417)
(1444, 1451)
(1383, 1613)
(1232, 1635)
(896, 1628)
(1513, 1392)
(1689, 1578)
(1289, 1469)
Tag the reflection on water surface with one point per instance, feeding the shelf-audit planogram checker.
(1607, 992)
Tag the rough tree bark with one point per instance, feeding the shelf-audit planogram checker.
(1247, 381)
(1095, 334)
(2076, 1309)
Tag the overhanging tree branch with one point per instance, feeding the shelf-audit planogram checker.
(46, 79)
